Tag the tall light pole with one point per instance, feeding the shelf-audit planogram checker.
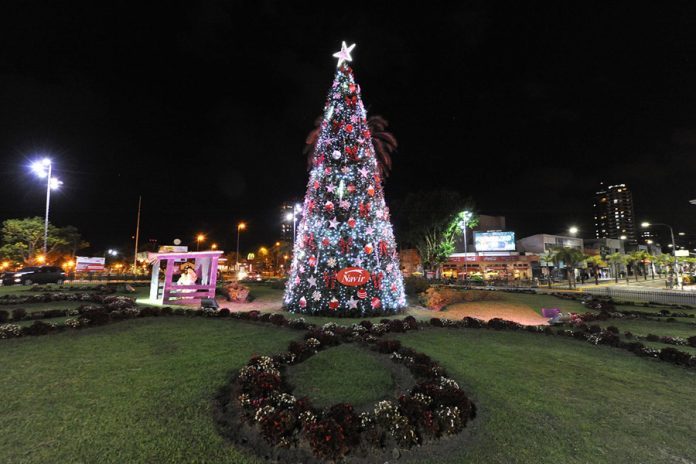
(466, 217)
(674, 245)
(44, 168)
(241, 226)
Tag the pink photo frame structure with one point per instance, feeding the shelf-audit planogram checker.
(171, 293)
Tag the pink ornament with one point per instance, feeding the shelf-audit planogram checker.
(303, 302)
(375, 303)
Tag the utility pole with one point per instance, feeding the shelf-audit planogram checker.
(137, 237)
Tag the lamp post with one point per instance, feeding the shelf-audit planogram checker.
(241, 226)
(466, 217)
(674, 246)
(573, 231)
(199, 239)
(44, 168)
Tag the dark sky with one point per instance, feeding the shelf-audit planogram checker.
(203, 109)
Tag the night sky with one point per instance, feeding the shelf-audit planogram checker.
(204, 109)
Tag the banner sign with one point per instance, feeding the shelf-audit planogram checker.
(353, 276)
(494, 241)
(89, 264)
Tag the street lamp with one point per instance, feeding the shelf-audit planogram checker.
(693, 202)
(465, 218)
(213, 246)
(43, 169)
(241, 226)
(573, 230)
(645, 225)
(199, 239)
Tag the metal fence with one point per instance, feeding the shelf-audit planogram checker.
(646, 295)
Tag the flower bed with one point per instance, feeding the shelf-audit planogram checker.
(436, 298)
(433, 408)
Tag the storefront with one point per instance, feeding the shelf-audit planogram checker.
(489, 266)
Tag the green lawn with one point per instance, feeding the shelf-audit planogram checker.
(135, 391)
(329, 377)
(551, 399)
(142, 391)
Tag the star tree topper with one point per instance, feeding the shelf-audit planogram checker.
(344, 54)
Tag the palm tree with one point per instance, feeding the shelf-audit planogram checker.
(595, 261)
(571, 258)
(548, 260)
(383, 141)
(641, 256)
(616, 259)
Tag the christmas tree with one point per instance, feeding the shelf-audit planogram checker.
(345, 260)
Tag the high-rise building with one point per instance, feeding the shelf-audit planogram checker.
(613, 213)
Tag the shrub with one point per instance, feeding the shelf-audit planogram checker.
(691, 341)
(95, 316)
(613, 329)
(10, 331)
(278, 319)
(594, 329)
(18, 314)
(167, 311)
(39, 328)
(628, 335)
(415, 285)
(344, 415)
(675, 356)
(411, 322)
(388, 346)
(327, 439)
(147, 311)
(278, 426)
(4, 316)
(395, 325)
(652, 338)
(224, 312)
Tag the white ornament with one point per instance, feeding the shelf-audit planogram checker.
(316, 296)
(336, 155)
(312, 281)
(330, 188)
(331, 262)
(333, 223)
(344, 54)
(369, 230)
(353, 303)
(363, 171)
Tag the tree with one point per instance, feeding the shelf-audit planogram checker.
(23, 240)
(639, 257)
(345, 259)
(548, 259)
(429, 221)
(595, 262)
(383, 141)
(570, 258)
(616, 259)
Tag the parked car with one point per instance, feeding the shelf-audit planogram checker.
(35, 275)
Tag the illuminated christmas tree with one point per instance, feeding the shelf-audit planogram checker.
(345, 260)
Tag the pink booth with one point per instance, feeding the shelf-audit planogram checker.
(168, 292)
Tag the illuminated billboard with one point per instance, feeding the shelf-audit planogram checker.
(494, 241)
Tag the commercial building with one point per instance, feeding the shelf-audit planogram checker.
(613, 213)
(541, 243)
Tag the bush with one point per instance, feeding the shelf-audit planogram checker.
(147, 311)
(96, 316)
(415, 285)
(613, 329)
(652, 338)
(691, 341)
(436, 298)
(167, 311)
(675, 356)
(39, 328)
(4, 316)
(327, 439)
(388, 346)
(19, 314)
(278, 319)
(224, 312)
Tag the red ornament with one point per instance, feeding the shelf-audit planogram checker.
(362, 294)
(325, 242)
(352, 88)
(371, 191)
(364, 209)
(351, 223)
(312, 261)
(350, 188)
(327, 170)
(375, 303)
(349, 128)
(303, 302)
(316, 184)
(383, 248)
(333, 304)
(393, 288)
(329, 206)
(368, 248)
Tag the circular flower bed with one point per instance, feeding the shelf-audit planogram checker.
(266, 416)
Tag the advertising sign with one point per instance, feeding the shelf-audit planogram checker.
(681, 253)
(494, 241)
(89, 264)
(353, 276)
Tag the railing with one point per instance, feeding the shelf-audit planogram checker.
(187, 294)
(97, 277)
(646, 295)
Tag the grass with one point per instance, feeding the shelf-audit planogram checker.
(330, 376)
(551, 399)
(136, 391)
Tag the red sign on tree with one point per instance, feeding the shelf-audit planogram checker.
(353, 276)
